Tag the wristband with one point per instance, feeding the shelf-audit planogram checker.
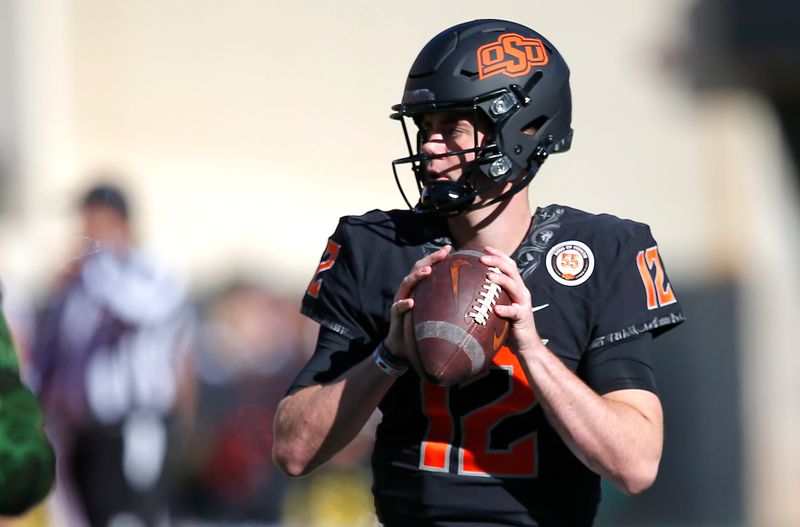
(388, 363)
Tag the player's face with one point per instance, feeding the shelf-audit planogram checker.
(445, 132)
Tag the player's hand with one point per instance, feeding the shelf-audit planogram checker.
(395, 340)
(520, 311)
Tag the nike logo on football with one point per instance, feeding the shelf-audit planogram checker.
(497, 340)
(455, 267)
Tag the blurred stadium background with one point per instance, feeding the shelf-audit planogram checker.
(244, 129)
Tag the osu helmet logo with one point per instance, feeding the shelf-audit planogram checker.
(512, 55)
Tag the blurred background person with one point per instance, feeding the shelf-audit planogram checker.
(112, 362)
(27, 463)
(251, 343)
(248, 351)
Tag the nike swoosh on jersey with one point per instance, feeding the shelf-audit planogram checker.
(539, 308)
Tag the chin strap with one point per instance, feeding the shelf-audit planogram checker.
(446, 197)
(450, 198)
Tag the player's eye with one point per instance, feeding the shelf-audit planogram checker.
(424, 132)
(462, 127)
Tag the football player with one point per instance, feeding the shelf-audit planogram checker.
(572, 398)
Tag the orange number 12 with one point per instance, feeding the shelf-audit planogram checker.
(476, 457)
(659, 293)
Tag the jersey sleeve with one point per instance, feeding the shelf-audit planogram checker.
(333, 300)
(636, 295)
(635, 303)
(622, 365)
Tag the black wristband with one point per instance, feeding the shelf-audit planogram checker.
(388, 363)
(391, 358)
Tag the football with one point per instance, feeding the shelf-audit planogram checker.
(453, 332)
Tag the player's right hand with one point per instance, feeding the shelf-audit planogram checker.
(395, 340)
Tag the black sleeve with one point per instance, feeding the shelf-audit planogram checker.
(620, 366)
(333, 355)
(332, 298)
(637, 296)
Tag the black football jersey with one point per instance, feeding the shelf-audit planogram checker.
(482, 452)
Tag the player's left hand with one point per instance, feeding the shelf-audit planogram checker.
(403, 303)
(520, 311)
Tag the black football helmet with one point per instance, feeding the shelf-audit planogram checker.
(509, 76)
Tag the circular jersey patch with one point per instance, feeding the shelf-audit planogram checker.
(570, 263)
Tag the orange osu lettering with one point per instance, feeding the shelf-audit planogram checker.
(512, 55)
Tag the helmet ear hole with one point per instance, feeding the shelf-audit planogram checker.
(534, 126)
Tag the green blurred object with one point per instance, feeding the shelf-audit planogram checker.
(27, 462)
(8, 355)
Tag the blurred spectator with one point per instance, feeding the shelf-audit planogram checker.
(251, 345)
(112, 361)
(27, 464)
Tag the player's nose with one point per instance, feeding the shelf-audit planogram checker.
(434, 145)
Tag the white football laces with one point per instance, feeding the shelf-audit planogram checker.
(486, 301)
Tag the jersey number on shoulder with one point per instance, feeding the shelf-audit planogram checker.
(659, 292)
(476, 456)
(327, 261)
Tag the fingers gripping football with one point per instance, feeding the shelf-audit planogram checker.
(519, 311)
(452, 334)
(403, 302)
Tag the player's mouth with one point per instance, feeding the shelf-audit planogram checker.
(432, 174)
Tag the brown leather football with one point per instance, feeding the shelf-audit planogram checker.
(453, 332)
